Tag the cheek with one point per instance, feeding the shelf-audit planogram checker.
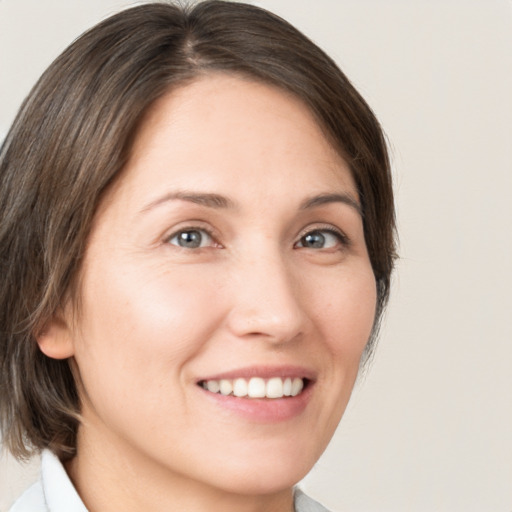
(142, 323)
(345, 313)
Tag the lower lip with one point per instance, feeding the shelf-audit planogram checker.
(263, 410)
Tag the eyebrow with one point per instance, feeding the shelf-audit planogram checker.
(204, 199)
(218, 201)
(322, 199)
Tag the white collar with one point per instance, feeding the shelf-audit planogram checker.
(59, 493)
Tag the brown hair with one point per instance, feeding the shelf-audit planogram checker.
(72, 137)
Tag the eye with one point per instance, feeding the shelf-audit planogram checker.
(322, 239)
(191, 239)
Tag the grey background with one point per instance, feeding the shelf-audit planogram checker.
(430, 428)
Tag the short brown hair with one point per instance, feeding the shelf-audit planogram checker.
(72, 138)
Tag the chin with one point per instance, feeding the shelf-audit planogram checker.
(263, 481)
(265, 472)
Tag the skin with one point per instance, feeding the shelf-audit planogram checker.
(156, 317)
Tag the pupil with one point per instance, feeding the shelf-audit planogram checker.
(190, 239)
(315, 240)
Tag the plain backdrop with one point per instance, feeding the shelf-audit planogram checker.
(430, 427)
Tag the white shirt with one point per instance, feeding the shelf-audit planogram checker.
(54, 492)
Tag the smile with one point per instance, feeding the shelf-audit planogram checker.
(256, 387)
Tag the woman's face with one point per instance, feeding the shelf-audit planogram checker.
(230, 254)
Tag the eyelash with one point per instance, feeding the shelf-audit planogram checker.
(190, 229)
(340, 236)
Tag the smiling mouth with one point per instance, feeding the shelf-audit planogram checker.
(257, 387)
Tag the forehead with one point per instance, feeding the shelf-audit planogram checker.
(221, 130)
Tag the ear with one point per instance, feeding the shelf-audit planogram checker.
(56, 340)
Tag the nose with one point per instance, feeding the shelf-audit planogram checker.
(266, 300)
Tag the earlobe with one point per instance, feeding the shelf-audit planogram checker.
(55, 339)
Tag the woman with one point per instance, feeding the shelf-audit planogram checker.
(197, 241)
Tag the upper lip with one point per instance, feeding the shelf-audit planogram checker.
(265, 372)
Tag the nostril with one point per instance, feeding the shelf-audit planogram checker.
(266, 324)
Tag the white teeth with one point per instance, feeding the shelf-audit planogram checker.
(287, 387)
(297, 386)
(213, 386)
(275, 388)
(226, 387)
(256, 387)
(240, 387)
